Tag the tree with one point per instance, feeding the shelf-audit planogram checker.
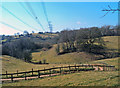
(58, 49)
(27, 55)
(90, 40)
(33, 32)
(26, 32)
(44, 61)
(18, 33)
(85, 39)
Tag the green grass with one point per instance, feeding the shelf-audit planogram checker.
(11, 65)
(111, 42)
(81, 57)
(51, 57)
(110, 61)
(44, 35)
(91, 78)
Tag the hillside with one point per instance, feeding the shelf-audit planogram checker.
(51, 57)
(111, 42)
(91, 78)
(44, 35)
(11, 65)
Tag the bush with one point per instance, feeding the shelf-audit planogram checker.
(21, 48)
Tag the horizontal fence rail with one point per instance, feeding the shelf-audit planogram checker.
(56, 71)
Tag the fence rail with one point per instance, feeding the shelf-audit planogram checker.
(61, 70)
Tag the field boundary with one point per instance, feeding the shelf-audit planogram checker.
(55, 71)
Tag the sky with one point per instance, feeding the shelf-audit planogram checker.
(63, 15)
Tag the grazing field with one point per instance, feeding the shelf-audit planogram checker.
(51, 57)
(111, 42)
(70, 58)
(11, 65)
(110, 61)
(91, 78)
(44, 35)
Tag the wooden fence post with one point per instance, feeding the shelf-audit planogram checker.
(44, 70)
(25, 75)
(60, 70)
(75, 67)
(98, 68)
(17, 72)
(69, 68)
(38, 74)
(32, 71)
(78, 69)
(92, 66)
(12, 77)
(105, 68)
(50, 72)
(6, 74)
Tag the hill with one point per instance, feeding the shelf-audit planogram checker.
(91, 78)
(51, 56)
(11, 65)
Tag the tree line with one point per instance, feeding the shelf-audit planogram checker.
(22, 48)
(85, 39)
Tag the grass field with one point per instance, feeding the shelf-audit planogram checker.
(51, 57)
(91, 78)
(44, 35)
(111, 41)
(110, 61)
(11, 65)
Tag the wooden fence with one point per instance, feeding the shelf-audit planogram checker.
(57, 71)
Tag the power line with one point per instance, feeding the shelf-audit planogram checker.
(31, 15)
(11, 26)
(35, 17)
(18, 18)
(45, 12)
(44, 9)
(26, 9)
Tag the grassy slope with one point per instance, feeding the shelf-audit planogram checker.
(52, 57)
(11, 65)
(75, 79)
(44, 35)
(111, 61)
(81, 57)
(111, 42)
(91, 78)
